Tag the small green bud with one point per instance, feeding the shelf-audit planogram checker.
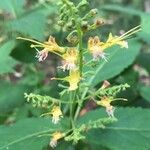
(69, 26)
(62, 8)
(61, 23)
(72, 37)
(93, 12)
(82, 4)
(84, 26)
(73, 40)
(62, 16)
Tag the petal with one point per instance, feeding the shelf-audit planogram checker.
(123, 44)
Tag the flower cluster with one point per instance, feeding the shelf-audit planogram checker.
(69, 57)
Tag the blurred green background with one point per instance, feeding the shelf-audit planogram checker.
(20, 72)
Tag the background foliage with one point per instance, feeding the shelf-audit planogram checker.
(20, 126)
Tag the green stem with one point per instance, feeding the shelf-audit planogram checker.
(80, 36)
(77, 111)
(72, 106)
(71, 110)
(80, 104)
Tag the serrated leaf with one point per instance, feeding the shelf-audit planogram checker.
(92, 116)
(25, 134)
(145, 92)
(7, 62)
(118, 60)
(28, 22)
(32, 24)
(131, 131)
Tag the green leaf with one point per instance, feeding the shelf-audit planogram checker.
(25, 134)
(29, 22)
(145, 24)
(122, 9)
(6, 48)
(7, 62)
(65, 146)
(32, 24)
(145, 32)
(118, 60)
(93, 116)
(24, 53)
(132, 131)
(145, 92)
(143, 60)
(11, 96)
(12, 6)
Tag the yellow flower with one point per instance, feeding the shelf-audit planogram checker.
(114, 40)
(55, 137)
(56, 114)
(73, 79)
(42, 55)
(105, 102)
(48, 46)
(70, 59)
(95, 48)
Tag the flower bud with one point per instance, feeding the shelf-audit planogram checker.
(61, 23)
(83, 3)
(84, 26)
(93, 12)
(99, 22)
(69, 26)
(72, 39)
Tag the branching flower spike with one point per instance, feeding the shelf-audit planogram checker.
(82, 75)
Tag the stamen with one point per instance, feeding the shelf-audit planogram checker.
(26, 39)
(130, 32)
